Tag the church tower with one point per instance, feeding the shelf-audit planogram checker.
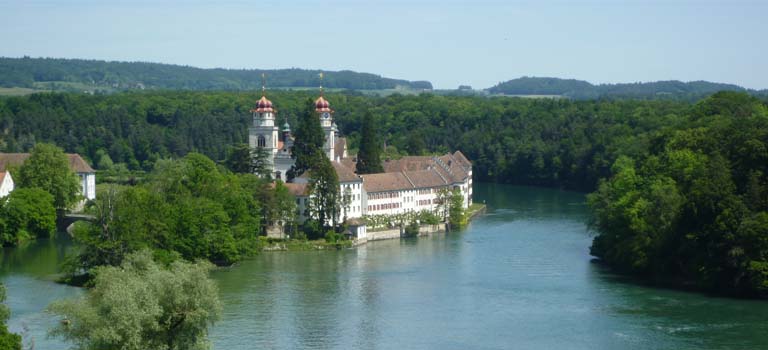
(263, 133)
(325, 114)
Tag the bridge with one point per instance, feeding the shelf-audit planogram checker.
(63, 222)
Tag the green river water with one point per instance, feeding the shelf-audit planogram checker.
(518, 277)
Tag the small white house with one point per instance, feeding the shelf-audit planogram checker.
(6, 183)
(78, 165)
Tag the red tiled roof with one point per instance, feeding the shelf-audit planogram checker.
(386, 182)
(426, 179)
(76, 163)
(452, 167)
(339, 146)
(297, 189)
(409, 163)
(344, 173)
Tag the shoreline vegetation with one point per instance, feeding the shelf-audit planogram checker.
(680, 189)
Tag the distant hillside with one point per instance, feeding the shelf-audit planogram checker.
(92, 75)
(579, 89)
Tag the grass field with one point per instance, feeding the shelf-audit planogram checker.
(17, 91)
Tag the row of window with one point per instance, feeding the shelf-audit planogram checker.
(383, 195)
(384, 206)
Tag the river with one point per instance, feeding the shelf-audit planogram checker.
(518, 277)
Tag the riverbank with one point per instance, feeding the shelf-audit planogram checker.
(398, 232)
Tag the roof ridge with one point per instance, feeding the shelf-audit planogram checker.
(441, 175)
(409, 179)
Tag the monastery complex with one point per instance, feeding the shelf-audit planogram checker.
(410, 184)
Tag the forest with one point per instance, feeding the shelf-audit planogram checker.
(579, 89)
(545, 142)
(107, 76)
(692, 210)
(681, 193)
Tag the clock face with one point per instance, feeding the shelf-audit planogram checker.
(326, 115)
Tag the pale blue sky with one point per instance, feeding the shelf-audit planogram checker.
(447, 42)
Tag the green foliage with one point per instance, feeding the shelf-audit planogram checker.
(580, 89)
(694, 209)
(239, 159)
(8, 340)
(244, 160)
(412, 229)
(48, 169)
(369, 155)
(142, 305)
(325, 199)
(109, 76)
(26, 213)
(310, 138)
(561, 143)
(456, 215)
(188, 209)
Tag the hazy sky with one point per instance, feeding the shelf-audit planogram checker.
(447, 42)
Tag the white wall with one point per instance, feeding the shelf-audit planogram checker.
(355, 209)
(7, 186)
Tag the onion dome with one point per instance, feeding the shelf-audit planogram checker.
(263, 105)
(286, 127)
(322, 105)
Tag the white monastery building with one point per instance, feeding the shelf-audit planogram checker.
(410, 184)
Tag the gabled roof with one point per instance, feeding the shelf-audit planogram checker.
(12, 159)
(297, 189)
(345, 174)
(76, 163)
(461, 158)
(408, 163)
(452, 167)
(338, 147)
(383, 182)
(426, 179)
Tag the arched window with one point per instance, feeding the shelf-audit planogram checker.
(261, 142)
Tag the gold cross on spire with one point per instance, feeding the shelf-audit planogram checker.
(263, 84)
(321, 83)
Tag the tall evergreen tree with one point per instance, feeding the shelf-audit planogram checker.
(309, 141)
(369, 156)
(324, 189)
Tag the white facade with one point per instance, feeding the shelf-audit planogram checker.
(88, 185)
(352, 190)
(6, 185)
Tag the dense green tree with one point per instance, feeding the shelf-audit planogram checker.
(309, 141)
(105, 76)
(8, 340)
(369, 155)
(325, 199)
(692, 211)
(187, 209)
(47, 168)
(239, 159)
(456, 213)
(26, 213)
(142, 305)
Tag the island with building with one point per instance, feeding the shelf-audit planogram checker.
(406, 186)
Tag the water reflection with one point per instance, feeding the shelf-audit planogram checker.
(519, 277)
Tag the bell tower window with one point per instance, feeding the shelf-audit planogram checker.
(261, 142)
